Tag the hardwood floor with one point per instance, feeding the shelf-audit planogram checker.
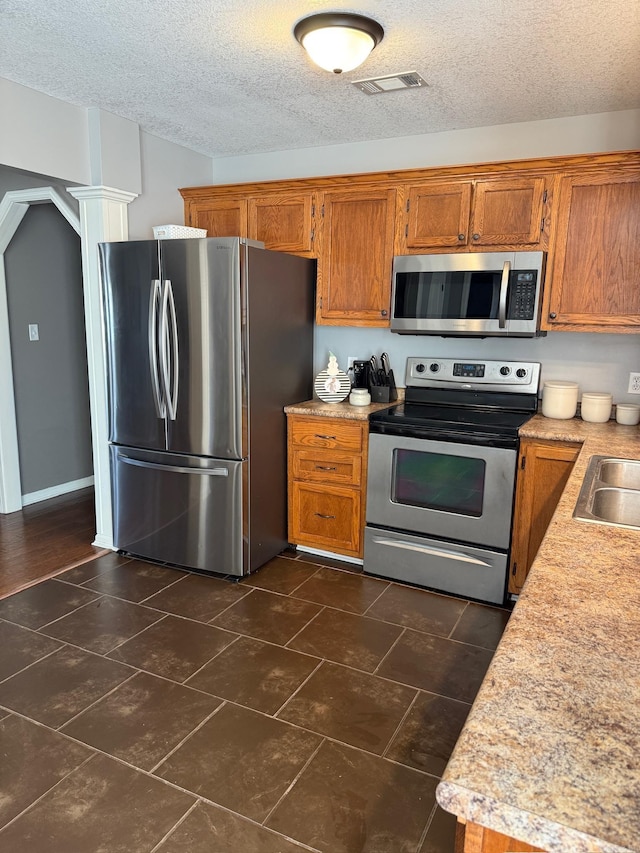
(44, 538)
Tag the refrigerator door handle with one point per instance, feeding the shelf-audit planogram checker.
(170, 355)
(154, 303)
(178, 469)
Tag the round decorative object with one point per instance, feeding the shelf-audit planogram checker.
(332, 385)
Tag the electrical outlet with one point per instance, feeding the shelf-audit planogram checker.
(350, 360)
(634, 383)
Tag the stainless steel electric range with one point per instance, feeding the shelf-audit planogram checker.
(441, 477)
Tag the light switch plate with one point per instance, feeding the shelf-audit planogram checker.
(34, 332)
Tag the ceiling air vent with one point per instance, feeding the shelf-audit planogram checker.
(390, 83)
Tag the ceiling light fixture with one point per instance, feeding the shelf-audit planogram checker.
(338, 41)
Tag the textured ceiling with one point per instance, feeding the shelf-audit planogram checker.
(227, 77)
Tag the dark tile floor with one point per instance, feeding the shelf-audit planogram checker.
(309, 707)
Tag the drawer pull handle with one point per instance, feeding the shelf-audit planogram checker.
(328, 437)
(326, 468)
(320, 515)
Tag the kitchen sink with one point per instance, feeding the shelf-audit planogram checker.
(610, 492)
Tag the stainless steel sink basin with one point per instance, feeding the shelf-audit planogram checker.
(617, 506)
(623, 473)
(610, 492)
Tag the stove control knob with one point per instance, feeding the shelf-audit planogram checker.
(434, 367)
(521, 373)
(420, 368)
(505, 371)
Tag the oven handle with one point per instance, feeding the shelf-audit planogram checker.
(504, 285)
(432, 552)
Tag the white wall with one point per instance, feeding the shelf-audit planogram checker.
(165, 168)
(92, 147)
(596, 361)
(43, 134)
(618, 131)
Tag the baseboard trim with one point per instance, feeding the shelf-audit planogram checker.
(330, 554)
(56, 491)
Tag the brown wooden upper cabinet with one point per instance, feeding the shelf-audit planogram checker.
(221, 217)
(355, 256)
(593, 281)
(505, 212)
(283, 222)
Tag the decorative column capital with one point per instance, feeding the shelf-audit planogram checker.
(102, 193)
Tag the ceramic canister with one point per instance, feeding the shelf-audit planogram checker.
(595, 406)
(559, 399)
(628, 413)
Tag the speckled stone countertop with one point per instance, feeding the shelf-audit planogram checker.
(340, 410)
(550, 753)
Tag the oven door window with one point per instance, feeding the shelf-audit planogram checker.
(438, 481)
(471, 295)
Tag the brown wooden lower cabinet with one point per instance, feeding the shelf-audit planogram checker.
(543, 470)
(327, 483)
(479, 839)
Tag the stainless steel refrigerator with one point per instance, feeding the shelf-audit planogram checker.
(207, 340)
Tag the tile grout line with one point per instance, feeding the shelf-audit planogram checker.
(427, 827)
(401, 723)
(210, 716)
(462, 612)
(293, 782)
(49, 790)
(95, 702)
(321, 661)
(206, 663)
(391, 648)
(377, 598)
(33, 663)
(304, 628)
(179, 823)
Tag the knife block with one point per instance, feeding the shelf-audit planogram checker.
(384, 393)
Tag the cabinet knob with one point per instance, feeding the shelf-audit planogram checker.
(476, 236)
(552, 315)
(461, 237)
(384, 312)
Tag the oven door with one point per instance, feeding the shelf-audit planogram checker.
(441, 489)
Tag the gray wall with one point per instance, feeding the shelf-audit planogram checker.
(44, 286)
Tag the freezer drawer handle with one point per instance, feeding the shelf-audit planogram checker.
(176, 469)
(154, 303)
(320, 515)
(432, 552)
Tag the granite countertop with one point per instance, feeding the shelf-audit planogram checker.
(340, 410)
(550, 753)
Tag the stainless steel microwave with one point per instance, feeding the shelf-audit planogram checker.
(479, 294)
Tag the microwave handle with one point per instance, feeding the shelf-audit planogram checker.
(504, 286)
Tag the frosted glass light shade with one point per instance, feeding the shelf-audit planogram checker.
(338, 41)
(338, 49)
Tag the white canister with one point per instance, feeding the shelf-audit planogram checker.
(595, 406)
(360, 397)
(628, 413)
(559, 399)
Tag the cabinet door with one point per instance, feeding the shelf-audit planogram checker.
(507, 212)
(283, 222)
(596, 258)
(355, 257)
(221, 218)
(437, 216)
(543, 470)
(326, 517)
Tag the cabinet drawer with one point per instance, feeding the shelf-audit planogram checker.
(329, 433)
(325, 517)
(327, 466)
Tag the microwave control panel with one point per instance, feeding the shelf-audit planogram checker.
(522, 295)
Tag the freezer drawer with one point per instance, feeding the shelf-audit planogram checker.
(445, 566)
(178, 509)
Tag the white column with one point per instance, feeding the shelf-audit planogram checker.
(103, 218)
